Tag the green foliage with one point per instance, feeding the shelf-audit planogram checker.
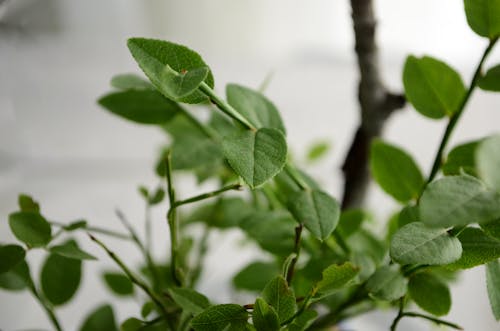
(60, 278)
(17, 278)
(279, 296)
(255, 276)
(101, 319)
(129, 82)
(461, 158)
(264, 316)
(318, 150)
(70, 249)
(221, 317)
(488, 161)
(335, 278)
(483, 17)
(189, 300)
(26, 203)
(491, 80)
(387, 283)
(493, 284)
(10, 256)
(30, 227)
(118, 283)
(430, 293)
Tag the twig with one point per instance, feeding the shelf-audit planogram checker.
(46, 306)
(433, 319)
(400, 314)
(172, 221)
(296, 250)
(96, 229)
(208, 195)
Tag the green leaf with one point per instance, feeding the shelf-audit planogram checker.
(492, 229)
(491, 80)
(408, 215)
(60, 278)
(317, 210)
(225, 213)
(483, 17)
(395, 171)
(189, 300)
(226, 317)
(350, 221)
(101, 319)
(488, 161)
(70, 249)
(118, 283)
(318, 150)
(131, 324)
(17, 278)
(303, 321)
(432, 87)
(387, 283)
(140, 106)
(174, 70)
(493, 284)
(478, 248)
(255, 276)
(31, 228)
(255, 107)
(130, 82)
(190, 152)
(335, 278)
(281, 298)
(430, 294)
(256, 156)
(461, 158)
(417, 243)
(264, 316)
(10, 256)
(157, 196)
(147, 309)
(26, 203)
(458, 200)
(79, 224)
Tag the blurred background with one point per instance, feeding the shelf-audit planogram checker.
(78, 161)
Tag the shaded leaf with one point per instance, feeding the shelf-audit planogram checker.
(189, 300)
(255, 276)
(226, 212)
(101, 319)
(226, 317)
(493, 284)
(131, 324)
(483, 17)
(79, 224)
(303, 321)
(17, 278)
(264, 316)
(478, 248)
(70, 249)
(280, 297)
(10, 256)
(430, 294)
(30, 227)
(336, 277)
(461, 158)
(118, 283)
(350, 221)
(130, 82)
(488, 161)
(492, 229)
(387, 283)
(491, 80)
(60, 278)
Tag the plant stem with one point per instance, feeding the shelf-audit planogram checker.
(456, 116)
(208, 195)
(225, 107)
(296, 250)
(433, 319)
(400, 314)
(96, 229)
(47, 307)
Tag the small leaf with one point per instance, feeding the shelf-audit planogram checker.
(317, 210)
(303, 321)
(101, 319)
(387, 283)
(189, 300)
(130, 82)
(118, 283)
(492, 229)
(488, 161)
(416, 243)
(60, 278)
(17, 278)
(458, 200)
(461, 158)
(335, 278)
(350, 221)
(31, 228)
(140, 106)
(255, 276)
(408, 215)
(433, 88)
(221, 318)
(225, 213)
(147, 309)
(395, 171)
(256, 156)
(478, 249)
(281, 298)
(157, 196)
(165, 63)
(264, 316)
(430, 294)
(70, 249)
(491, 80)
(483, 17)
(255, 107)
(132, 324)
(493, 284)
(10, 256)
(26, 203)
(80, 224)
(318, 150)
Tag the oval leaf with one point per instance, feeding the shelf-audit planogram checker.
(101, 319)
(430, 294)
(416, 243)
(221, 317)
(395, 171)
(118, 283)
(458, 200)
(70, 249)
(189, 300)
(60, 278)
(10, 256)
(16, 279)
(256, 156)
(493, 284)
(433, 88)
(461, 158)
(317, 210)
(491, 80)
(130, 82)
(387, 283)
(478, 248)
(26, 203)
(264, 316)
(488, 161)
(31, 228)
(255, 276)
(281, 298)
(336, 277)
(483, 17)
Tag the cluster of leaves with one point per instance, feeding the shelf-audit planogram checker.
(316, 258)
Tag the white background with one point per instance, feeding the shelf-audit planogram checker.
(56, 58)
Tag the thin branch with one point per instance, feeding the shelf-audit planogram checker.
(400, 315)
(208, 195)
(433, 319)
(296, 250)
(46, 306)
(172, 221)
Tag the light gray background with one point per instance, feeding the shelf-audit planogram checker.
(56, 58)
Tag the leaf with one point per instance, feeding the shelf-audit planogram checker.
(169, 66)
(255, 276)
(256, 156)
(317, 210)
(488, 161)
(303, 321)
(336, 277)
(432, 87)
(318, 150)
(101, 319)
(131, 324)
(189, 300)
(395, 171)
(408, 215)
(419, 244)
(461, 158)
(130, 82)
(493, 284)
(255, 107)
(10, 256)
(225, 213)
(264, 316)
(190, 152)
(60, 278)
(281, 298)
(31, 228)
(478, 248)
(483, 17)
(118, 283)
(70, 249)
(226, 317)
(491, 80)
(430, 294)
(79, 224)
(147, 309)
(26, 203)
(140, 106)
(17, 278)
(458, 200)
(492, 229)
(387, 283)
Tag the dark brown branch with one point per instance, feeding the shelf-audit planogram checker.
(376, 104)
